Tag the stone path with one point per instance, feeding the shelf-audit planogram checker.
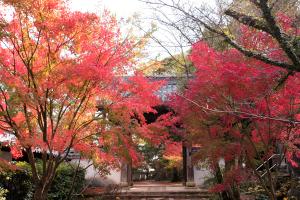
(162, 191)
(159, 187)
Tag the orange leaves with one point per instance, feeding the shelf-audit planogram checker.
(173, 149)
(55, 65)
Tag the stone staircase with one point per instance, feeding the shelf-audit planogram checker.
(171, 195)
(156, 192)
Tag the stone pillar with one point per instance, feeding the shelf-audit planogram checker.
(129, 174)
(126, 174)
(190, 182)
(188, 167)
(184, 164)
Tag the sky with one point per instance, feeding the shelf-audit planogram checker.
(127, 8)
(122, 8)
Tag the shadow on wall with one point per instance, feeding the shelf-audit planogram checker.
(200, 175)
(94, 179)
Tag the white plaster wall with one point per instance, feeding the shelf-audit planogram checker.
(94, 179)
(200, 175)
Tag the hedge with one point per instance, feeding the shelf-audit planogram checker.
(19, 184)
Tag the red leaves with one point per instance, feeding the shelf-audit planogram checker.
(16, 151)
(287, 23)
(232, 178)
(217, 188)
(57, 66)
(173, 149)
(289, 157)
(233, 106)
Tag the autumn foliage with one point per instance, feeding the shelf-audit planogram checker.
(240, 109)
(62, 87)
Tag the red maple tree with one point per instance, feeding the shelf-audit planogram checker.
(62, 87)
(241, 109)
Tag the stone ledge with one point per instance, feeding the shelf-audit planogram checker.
(190, 184)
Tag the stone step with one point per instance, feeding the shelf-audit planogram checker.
(162, 198)
(148, 198)
(155, 198)
(188, 195)
(160, 192)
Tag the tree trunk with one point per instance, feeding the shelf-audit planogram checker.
(175, 176)
(233, 193)
(43, 186)
(218, 174)
(40, 194)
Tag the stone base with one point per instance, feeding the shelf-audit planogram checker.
(124, 184)
(190, 184)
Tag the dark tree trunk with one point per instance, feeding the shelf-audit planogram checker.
(40, 193)
(234, 193)
(175, 176)
(43, 186)
(219, 177)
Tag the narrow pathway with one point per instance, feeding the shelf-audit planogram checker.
(151, 190)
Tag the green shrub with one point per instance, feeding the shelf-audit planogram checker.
(62, 183)
(20, 187)
(17, 183)
(3, 193)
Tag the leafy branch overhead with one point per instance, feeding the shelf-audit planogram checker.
(264, 19)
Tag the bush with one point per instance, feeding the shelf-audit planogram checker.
(63, 181)
(3, 193)
(17, 183)
(20, 187)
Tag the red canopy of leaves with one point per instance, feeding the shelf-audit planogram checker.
(235, 106)
(57, 68)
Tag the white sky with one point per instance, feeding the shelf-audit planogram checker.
(122, 8)
(127, 8)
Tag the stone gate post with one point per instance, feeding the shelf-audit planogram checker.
(126, 174)
(188, 166)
